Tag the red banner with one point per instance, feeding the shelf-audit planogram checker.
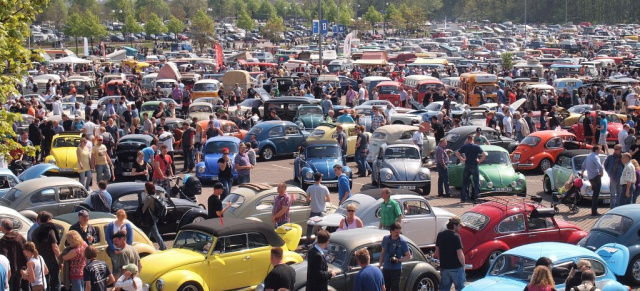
(219, 54)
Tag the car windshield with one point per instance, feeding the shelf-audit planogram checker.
(249, 102)
(401, 153)
(309, 110)
(317, 133)
(323, 152)
(476, 115)
(133, 140)
(388, 89)
(452, 137)
(343, 207)
(215, 147)
(513, 267)
(474, 220)
(496, 157)
(531, 141)
(205, 87)
(256, 130)
(336, 254)
(235, 199)
(149, 107)
(365, 111)
(578, 109)
(201, 108)
(11, 196)
(66, 142)
(613, 223)
(577, 161)
(164, 85)
(196, 241)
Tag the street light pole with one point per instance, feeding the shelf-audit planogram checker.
(565, 10)
(320, 35)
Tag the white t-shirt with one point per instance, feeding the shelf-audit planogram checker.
(166, 138)
(508, 126)
(89, 129)
(127, 285)
(417, 138)
(361, 94)
(57, 107)
(631, 99)
(5, 264)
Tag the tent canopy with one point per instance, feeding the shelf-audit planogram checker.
(70, 60)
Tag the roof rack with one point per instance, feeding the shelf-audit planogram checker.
(511, 201)
(258, 187)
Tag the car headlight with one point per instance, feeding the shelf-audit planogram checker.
(514, 183)
(160, 284)
(423, 176)
(388, 176)
(588, 189)
(520, 182)
(146, 287)
(489, 185)
(201, 170)
(52, 161)
(309, 175)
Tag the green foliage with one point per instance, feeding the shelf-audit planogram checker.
(131, 25)
(273, 28)
(56, 12)
(115, 6)
(507, 61)
(202, 28)
(154, 25)
(175, 25)
(372, 16)
(252, 7)
(83, 6)
(186, 9)
(346, 15)
(281, 7)
(144, 9)
(329, 11)
(245, 21)
(84, 26)
(266, 11)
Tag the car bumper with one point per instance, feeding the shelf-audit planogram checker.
(408, 185)
(524, 166)
(329, 183)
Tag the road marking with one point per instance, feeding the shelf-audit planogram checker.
(361, 184)
(281, 167)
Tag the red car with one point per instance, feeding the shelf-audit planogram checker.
(614, 126)
(540, 149)
(504, 223)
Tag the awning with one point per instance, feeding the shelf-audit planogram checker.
(70, 60)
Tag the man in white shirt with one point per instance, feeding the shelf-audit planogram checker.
(361, 94)
(622, 135)
(57, 106)
(627, 180)
(418, 139)
(89, 127)
(507, 123)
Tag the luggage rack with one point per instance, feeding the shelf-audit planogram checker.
(511, 201)
(257, 186)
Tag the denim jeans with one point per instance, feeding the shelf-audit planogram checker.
(77, 285)
(156, 234)
(360, 162)
(85, 179)
(624, 200)
(227, 183)
(244, 179)
(103, 173)
(635, 195)
(310, 228)
(615, 189)
(470, 171)
(452, 277)
(443, 180)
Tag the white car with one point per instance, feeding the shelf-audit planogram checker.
(21, 224)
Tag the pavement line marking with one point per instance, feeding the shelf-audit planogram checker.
(361, 184)
(282, 167)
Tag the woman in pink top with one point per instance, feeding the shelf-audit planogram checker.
(351, 221)
(76, 259)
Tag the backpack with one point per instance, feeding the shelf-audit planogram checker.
(159, 208)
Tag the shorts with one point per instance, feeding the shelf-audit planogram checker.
(602, 140)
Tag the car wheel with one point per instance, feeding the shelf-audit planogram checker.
(633, 271)
(491, 258)
(426, 282)
(544, 165)
(302, 185)
(546, 185)
(267, 153)
(190, 286)
(490, 100)
(295, 176)
(198, 219)
(470, 190)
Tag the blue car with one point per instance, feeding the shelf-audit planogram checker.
(319, 156)
(276, 137)
(10, 178)
(620, 225)
(513, 269)
(208, 169)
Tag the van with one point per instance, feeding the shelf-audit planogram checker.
(264, 57)
(79, 83)
(205, 88)
(340, 65)
(371, 82)
(166, 86)
(149, 80)
(231, 78)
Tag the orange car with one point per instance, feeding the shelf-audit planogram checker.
(228, 127)
(540, 149)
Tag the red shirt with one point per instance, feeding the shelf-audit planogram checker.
(157, 173)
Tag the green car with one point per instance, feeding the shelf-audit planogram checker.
(308, 117)
(496, 173)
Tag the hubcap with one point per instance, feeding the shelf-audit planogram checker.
(426, 285)
(198, 219)
(636, 270)
(268, 154)
(493, 256)
(546, 164)
(190, 288)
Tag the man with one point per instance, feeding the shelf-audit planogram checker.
(101, 161)
(124, 253)
(342, 141)
(627, 180)
(614, 166)
(165, 137)
(188, 140)
(602, 138)
(507, 123)
(161, 169)
(46, 240)
(450, 253)
(480, 139)
(317, 197)
(96, 274)
(88, 233)
(595, 170)
(522, 128)
(11, 246)
(225, 175)
(588, 127)
(418, 138)
(362, 142)
(437, 128)
(395, 250)
(369, 278)
(243, 165)
(622, 135)
(362, 94)
(281, 204)
(442, 159)
(377, 120)
(588, 278)
(282, 276)
(390, 211)
(326, 105)
(318, 272)
(101, 200)
(470, 159)
(344, 187)
(214, 204)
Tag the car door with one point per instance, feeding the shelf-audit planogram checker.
(260, 253)
(512, 230)
(455, 169)
(352, 137)
(264, 207)
(277, 137)
(542, 229)
(561, 171)
(554, 146)
(418, 221)
(346, 282)
(42, 200)
(293, 137)
(69, 197)
(230, 265)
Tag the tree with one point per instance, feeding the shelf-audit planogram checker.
(507, 61)
(266, 11)
(281, 8)
(245, 21)
(92, 27)
(82, 6)
(252, 7)
(74, 28)
(144, 9)
(329, 11)
(56, 12)
(121, 9)
(346, 15)
(175, 26)
(154, 25)
(394, 16)
(202, 28)
(372, 16)
(131, 25)
(273, 29)
(186, 9)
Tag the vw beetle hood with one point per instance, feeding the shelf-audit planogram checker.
(160, 263)
(324, 166)
(404, 169)
(66, 157)
(498, 174)
(211, 162)
(36, 171)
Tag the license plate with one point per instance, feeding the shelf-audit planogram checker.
(506, 189)
(66, 170)
(214, 178)
(516, 157)
(606, 201)
(407, 187)
(126, 174)
(331, 185)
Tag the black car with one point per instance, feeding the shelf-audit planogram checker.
(129, 196)
(127, 150)
(286, 107)
(457, 136)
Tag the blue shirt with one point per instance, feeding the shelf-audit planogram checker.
(3, 276)
(393, 247)
(592, 165)
(149, 153)
(343, 186)
(471, 152)
(368, 279)
(603, 123)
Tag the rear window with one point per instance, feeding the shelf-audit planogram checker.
(379, 135)
(317, 133)
(531, 141)
(474, 220)
(614, 223)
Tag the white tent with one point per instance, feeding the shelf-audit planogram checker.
(117, 56)
(70, 60)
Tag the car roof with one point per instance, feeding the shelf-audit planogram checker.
(307, 143)
(137, 136)
(286, 99)
(72, 217)
(356, 237)
(574, 153)
(553, 250)
(272, 123)
(231, 226)
(39, 183)
(551, 133)
(6, 172)
(396, 128)
(493, 148)
(122, 187)
(629, 210)
(469, 129)
(224, 138)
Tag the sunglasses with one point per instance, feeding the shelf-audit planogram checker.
(351, 211)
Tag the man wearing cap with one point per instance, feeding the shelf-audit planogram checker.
(214, 204)
(395, 250)
(450, 253)
(225, 176)
(125, 254)
(242, 165)
(390, 211)
(480, 139)
(86, 230)
(129, 279)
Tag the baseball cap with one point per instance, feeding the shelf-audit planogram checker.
(131, 268)
(478, 129)
(83, 213)
(225, 150)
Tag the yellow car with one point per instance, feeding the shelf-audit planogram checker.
(327, 131)
(100, 220)
(218, 254)
(63, 151)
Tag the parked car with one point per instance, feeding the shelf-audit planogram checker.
(150, 106)
(256, 200)
(503, 223)
(228, 127)
(21, 224)
(200, 110)
(63, 152)
(327, 132)
(256, 103)
(130, 197)
(434, 108)
(58, 195)
(400, 166)
(99, 220)
(286, 107)
(417, 273)
(217, 255)
(309, 116)
(7, 180)
(614, 126)
(541, 148)
(398, 134)
(277, 138)
(456, 137)
(421, 222)
(569, 163)
(127, 150)
(319, 157)
(208, 169)
(366, 112)
(496, 173)
(513, 269)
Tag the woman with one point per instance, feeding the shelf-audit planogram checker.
(351, 221)
(36, 268)
(541, 280)
(140, 167)
(84, 166)
(120, 224)
(198, 141)
(148, 209)
(135, 126)
(129, 280)
(543, 119)
(574, 278)
(76, 259)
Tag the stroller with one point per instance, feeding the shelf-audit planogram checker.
(568, 195)
(191, 186)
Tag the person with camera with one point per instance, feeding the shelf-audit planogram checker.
(395, 250)
(450, 253)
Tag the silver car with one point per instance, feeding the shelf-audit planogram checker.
(400, 166)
